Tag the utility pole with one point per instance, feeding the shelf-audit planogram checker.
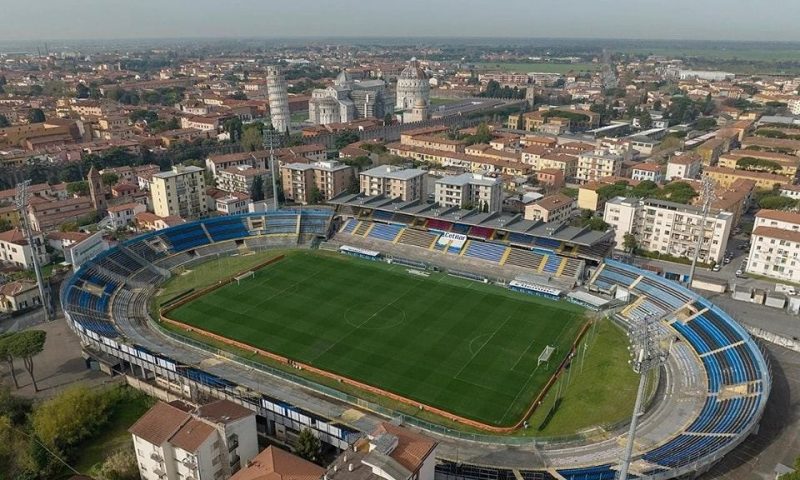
(647, 354)
(708, 199)
(271, 139)
(21, 201)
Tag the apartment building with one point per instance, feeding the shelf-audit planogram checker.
(123, 214)
(394, 182)
(598, 164)
(554, 208)
(47, 215)
(777, 163)
(15, 249)
(257, 159)
(174, 441)
(180, 192)
(669, 228)
(775, 245)
(725, 177)
(648, 171)
(315, 182)
(469, 191)
(242, 178)
(686, 166)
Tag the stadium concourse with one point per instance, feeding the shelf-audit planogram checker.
(711, 396)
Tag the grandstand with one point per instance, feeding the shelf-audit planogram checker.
(537, 259)
(107, 300)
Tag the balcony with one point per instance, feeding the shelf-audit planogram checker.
(156, 457)
(234, 460)
(189, 462)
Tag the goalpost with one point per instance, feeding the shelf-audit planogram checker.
(244, 276)
(544, 357)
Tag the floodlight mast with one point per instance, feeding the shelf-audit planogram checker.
(648, 355)
(270, 140)
(708, 199)
(21, 200)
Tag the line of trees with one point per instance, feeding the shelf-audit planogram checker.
(23, 346)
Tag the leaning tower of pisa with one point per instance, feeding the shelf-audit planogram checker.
(278, 99)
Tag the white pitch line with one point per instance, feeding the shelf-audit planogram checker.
(481, 347)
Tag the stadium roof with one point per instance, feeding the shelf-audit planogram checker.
(499, 221)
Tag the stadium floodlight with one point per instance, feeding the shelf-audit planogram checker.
(708, 199)
(21, 201)
(272, 139)
(648, 352)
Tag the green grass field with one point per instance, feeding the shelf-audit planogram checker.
(464, 347)
(539, 67)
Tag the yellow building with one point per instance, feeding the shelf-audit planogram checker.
(725, 177)
(787, 164)
(180, 192)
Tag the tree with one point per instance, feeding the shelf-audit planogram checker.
(705, 123)
(120, 465)
(4, 121)
(776, 202)
(645, 120)
(482, 134)
(315, 196)
(251, 140)
(80, 188)
(110, 179)
(629, 243)
(81, 91)
(6, 356)
(26, 345)
(70, 417)
(344, 139)
(36, 115)
(234, 128)
(308, 445)
(5, 225)
(257, 190)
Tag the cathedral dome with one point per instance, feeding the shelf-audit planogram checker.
(413, 71)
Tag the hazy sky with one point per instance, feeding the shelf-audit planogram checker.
(652, 19)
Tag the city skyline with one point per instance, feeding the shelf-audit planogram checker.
(605, 19)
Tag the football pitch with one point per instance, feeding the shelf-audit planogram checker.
(464, 347)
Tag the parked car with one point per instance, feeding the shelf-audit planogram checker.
(716, 268)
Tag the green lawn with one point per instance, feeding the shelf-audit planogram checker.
(465, 347)
(586, 402)
(213, 270)
(539, 67)
(435, 102)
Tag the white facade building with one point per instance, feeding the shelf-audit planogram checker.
(775, 250)
(648, 171)
(598, 164)
(121, 215)
(211, 442)
(15, 249)
(469, 190)
(669, 228)
(394, 182)
(684, 166)
(794, 106)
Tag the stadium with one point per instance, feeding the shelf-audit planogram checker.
(464, 325)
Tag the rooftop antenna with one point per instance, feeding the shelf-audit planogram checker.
(271, 139)
(708, 199)
(21, 200)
